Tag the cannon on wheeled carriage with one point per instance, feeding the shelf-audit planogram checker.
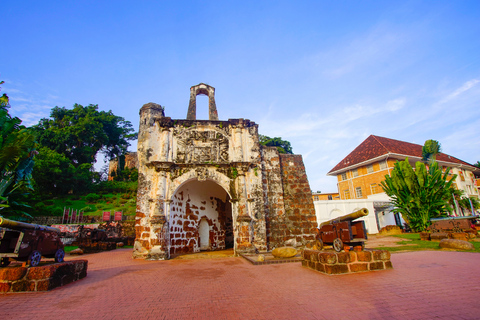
(29, 242)
(344, 231)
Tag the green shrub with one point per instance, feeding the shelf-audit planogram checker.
(56, 211)
(90, 208)
(91, 197)
(68, 202)
(48, 202)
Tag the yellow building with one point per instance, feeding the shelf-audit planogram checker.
(325, 196)
(359, 174)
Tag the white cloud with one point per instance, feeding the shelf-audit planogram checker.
(465, 87)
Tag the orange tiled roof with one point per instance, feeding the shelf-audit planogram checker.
(375, 146)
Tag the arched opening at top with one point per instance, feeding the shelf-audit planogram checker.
(200, 218)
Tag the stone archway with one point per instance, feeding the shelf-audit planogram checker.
(200, 209)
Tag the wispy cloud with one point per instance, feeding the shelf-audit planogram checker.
(465, 87)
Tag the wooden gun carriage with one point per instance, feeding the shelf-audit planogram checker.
(344, 231)
(29, 242)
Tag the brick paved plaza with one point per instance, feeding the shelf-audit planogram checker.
(422, 285)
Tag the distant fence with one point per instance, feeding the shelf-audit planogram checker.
(48, 221)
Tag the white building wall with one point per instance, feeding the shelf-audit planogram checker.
(329, 209)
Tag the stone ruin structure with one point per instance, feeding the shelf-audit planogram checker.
(210, 185)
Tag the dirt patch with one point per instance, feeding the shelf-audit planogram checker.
(377, 241)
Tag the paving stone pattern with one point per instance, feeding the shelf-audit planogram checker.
(423, 285)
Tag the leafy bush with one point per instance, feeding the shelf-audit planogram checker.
(48, 202)
(56, 211)
(91, 197)
(90, 208)
(68, 202)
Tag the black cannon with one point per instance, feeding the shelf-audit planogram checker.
(343, 230)
(29, 242)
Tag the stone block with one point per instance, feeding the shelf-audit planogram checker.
(37, 273)
(319, 267)
(381, 255)
(358, 267)
(327, 257)
(376, 265)
(438, 236)
(352, 256)
(364, 256)
(12, 273)
(336, 268)
(5, 286)
(343, 257)
(388, 265)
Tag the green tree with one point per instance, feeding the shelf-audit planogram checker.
(17, 152)
(477, 164)
(420, 194)
(430, 150)
(82, 132)
(283, 146)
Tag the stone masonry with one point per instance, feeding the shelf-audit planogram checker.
(210, 185)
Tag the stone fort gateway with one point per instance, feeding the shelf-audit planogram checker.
(210, 185)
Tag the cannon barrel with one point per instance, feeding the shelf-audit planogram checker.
(17, 225)
(348, 217)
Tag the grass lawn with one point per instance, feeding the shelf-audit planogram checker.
(70, 248)
(412, 242)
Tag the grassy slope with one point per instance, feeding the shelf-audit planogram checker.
(108, 202)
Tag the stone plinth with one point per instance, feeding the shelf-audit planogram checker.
(330, 262)
(41, 278)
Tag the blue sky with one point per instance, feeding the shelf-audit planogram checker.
(322, 74)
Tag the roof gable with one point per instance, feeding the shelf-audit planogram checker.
(375, 146)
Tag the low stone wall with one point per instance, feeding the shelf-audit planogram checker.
(41, 278)
(346, 262)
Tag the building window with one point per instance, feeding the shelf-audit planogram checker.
(344, 176)
(346, 194)
(461, 176)
(355, 173)
(358, 191)
(370, 168)
(374, 188)
(330, 197)
(383, 165)
(315, 198)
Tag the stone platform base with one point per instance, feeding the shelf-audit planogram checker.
(42, 278)
(330, 262)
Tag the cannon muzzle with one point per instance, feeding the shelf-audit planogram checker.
(17, 225)
(348, 217)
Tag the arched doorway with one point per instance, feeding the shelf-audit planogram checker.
(200, 218)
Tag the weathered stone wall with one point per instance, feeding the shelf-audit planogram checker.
(41, 278)
(300, 217)
(346, 262)
(211, 180)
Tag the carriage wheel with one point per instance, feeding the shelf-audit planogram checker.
(59, 255)
(4, 262)
(34, 258)
(338, 244)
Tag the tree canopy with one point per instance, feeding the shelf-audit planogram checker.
(283, 146)
(80, 133)
(70, 141)
(17, 152)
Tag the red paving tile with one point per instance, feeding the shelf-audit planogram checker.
(422, 285)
